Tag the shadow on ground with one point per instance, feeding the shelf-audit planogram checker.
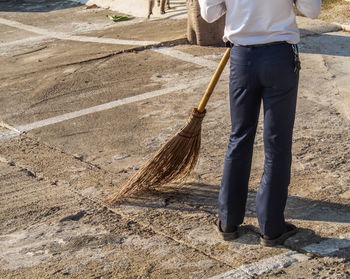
(325, 44)
(199, 196)
(195, 197)
(37, 5)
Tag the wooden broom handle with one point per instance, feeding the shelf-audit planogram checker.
(214, 80)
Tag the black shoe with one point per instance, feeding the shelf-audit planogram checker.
(226, 233)
(279, 240)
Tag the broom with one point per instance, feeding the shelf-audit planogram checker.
(178, 156)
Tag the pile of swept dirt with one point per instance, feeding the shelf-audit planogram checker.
(336, 11)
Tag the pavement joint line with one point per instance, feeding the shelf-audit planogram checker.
(56, 119)
(284, 260)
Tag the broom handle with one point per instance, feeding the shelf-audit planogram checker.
(214, 81)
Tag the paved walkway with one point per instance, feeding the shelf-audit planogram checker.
(70, 107)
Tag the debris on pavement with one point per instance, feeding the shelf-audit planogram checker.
(93, 6)
(118, 18)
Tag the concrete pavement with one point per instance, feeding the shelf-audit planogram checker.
(85, 101)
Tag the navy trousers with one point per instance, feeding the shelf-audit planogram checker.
(260, 74)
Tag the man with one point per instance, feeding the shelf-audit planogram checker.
(264, 67)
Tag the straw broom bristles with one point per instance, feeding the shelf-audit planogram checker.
(178, 156)
(173, 161)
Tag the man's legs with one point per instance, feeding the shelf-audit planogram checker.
(268, 73)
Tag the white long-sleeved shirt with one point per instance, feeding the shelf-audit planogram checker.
(250, 22)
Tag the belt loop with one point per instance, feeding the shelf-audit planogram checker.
(229, 44)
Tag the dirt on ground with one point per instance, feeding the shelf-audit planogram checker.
(54, 178)
(336, 11)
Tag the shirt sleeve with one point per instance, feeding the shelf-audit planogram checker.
(309, 8)
(212, 10)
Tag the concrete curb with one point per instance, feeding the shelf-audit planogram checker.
(344, 27)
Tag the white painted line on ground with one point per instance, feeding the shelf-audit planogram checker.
(13, 132)
(102, 107)
(345, 27)
(286, 259)
(236, 273)
(166, 51)
(10, 134)
(276, 262)
(105, 40)
(64, 36)
(263, 266)
(329, 246)
(187, 57)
